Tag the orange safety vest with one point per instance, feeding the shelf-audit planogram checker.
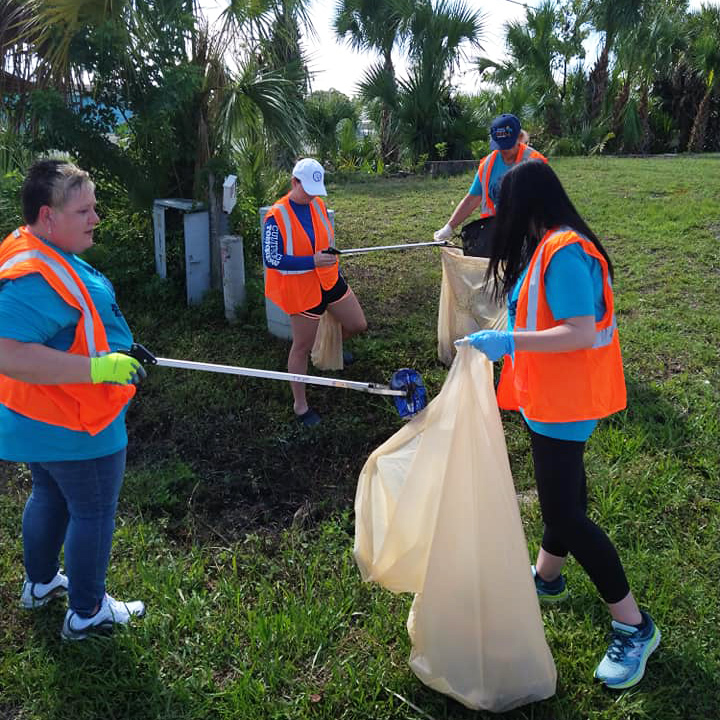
(298, 290)
(570, 386)
(525, 152)
(84, 407)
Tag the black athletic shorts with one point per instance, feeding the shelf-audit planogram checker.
(336, 293)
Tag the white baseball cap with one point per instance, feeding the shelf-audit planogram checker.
(310, 173)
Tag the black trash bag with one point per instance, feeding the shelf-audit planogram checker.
(477, 237)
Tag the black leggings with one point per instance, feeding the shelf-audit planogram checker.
(562, 491)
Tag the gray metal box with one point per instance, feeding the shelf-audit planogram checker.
(196, 232)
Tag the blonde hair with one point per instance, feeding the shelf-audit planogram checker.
(69, 179)
(51, 181)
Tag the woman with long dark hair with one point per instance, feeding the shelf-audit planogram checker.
(563, 372)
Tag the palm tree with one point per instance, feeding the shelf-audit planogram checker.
(324, 110)
(438, 35)
(378, 25)
(609, 17)
(705, 53)
(170, 70)
(189, 89)
(644, 51)
(540, 50)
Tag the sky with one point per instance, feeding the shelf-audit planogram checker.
(337, 66)
(334, 65)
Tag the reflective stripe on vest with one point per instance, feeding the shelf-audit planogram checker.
(296, 291)
(570, 386)
(70, 285)
(328, 228)
(487, 207)
(288, 234)
(602, 337)
(84, 407)
(525, 152)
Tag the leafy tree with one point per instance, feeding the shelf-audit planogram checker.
(438, 34)
(705, 54)
(540, 52)
(325, 109)
(377, 25)
(609, 17)
(161, 66)
(643, 51)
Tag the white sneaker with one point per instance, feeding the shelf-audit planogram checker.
(35, 595)
(112, 612)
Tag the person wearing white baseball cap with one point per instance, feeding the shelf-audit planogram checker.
(311, 175)
(303, 278)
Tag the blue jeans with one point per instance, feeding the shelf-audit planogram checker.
(73, 502)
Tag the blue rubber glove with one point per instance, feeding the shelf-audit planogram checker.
(493, 343)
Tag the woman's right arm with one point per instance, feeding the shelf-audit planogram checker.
(39, 364)
(274, 255)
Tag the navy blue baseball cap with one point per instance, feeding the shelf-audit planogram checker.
(504, 132)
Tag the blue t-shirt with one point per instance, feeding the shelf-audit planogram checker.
(31, 311)
(573, 287)
(274, 247)
(499, 169)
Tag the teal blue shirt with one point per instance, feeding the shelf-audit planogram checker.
(499, 169)
(573, 287)
(31, 311)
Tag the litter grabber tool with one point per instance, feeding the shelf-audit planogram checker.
(402, 246)
(406, 386)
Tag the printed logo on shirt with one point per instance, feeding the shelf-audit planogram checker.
(271, 243)
(116, 310)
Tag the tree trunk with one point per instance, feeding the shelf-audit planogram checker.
(644, 113)
(388, 147)
(697, 134)
(618, 107)
(218, 228)
(598, 83)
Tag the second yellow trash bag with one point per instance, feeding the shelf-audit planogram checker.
(466, 303)
(437, 515)
(327, 350)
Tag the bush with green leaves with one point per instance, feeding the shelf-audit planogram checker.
(10, 208)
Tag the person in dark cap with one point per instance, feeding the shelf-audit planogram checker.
(506, 151)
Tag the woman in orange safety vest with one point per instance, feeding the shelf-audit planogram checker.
(508, 147)
(301, 277)
(563, 372)
(64, 391)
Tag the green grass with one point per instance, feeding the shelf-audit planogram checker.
(236, 528)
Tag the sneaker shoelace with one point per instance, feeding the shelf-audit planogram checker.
(621, 642)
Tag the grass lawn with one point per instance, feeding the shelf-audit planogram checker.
(236, 525)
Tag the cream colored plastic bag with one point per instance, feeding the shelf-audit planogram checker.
(437, 515)
(466, 303)
(327, 350)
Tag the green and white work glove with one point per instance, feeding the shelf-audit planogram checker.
(116, 368)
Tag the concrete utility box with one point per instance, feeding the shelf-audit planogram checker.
(196, 222)
(233, 274)
(278, 321)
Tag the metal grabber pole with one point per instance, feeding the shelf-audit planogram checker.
(402, 246)
(406, 386)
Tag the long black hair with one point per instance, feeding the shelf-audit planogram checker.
(532, 200)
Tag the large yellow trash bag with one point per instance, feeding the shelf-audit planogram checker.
(437, 515)
(327, 350)
(466, 303)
